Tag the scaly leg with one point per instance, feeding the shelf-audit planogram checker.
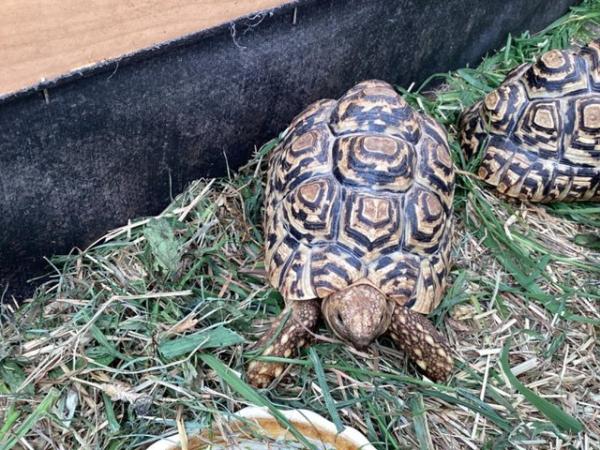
(294, 334)
(423, 344)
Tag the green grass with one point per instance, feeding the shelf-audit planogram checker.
(155, 320)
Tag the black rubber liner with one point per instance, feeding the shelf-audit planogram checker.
(81, 155)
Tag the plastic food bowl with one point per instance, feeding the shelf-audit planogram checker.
(251, 422)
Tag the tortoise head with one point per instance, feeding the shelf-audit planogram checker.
(358, 314)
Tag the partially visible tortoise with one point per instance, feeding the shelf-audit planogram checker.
(539, 132)
(358, 225)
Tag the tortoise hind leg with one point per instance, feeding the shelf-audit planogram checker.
(293, 334)
(423, 344)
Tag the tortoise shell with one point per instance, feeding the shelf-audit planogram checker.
(360, 188)
(539, 132)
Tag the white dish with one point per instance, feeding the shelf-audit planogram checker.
(315, 428)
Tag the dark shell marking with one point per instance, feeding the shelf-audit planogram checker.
(540, 130)
(361, 188)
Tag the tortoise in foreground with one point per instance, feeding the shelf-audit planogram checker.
(358, 226)
(539, 132)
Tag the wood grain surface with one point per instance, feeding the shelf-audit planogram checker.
(43, 39)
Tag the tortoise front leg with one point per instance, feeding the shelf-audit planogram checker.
(294, 334)
(423, 344)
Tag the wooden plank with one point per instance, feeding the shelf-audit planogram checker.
(43, 39)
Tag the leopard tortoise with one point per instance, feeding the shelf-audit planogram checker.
(358, 226)
(539, 132)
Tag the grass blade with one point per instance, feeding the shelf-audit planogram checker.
(111, 418)
(561, 419)
(218, 337)
(10, 417)
(419, 413)
(329, 403)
